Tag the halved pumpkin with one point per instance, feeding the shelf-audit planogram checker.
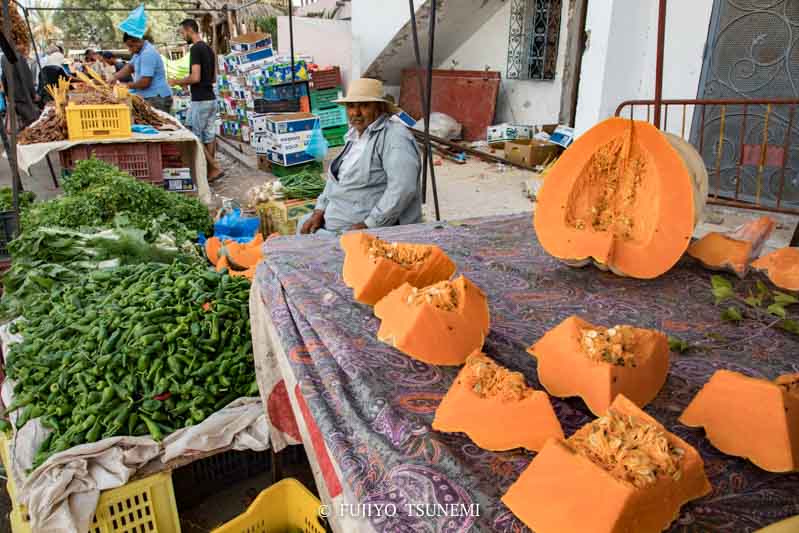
(624, 195)
(621, 473)
(212, 246)
(374, 267)
(734, 251)
(781, 267)
(749, 417)
(496, 409)
(577, 358)
(441, 324)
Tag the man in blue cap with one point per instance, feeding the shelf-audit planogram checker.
(146, 65)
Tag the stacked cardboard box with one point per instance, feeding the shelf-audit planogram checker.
(283, 138)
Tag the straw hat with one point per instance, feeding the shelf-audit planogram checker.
(367, 90)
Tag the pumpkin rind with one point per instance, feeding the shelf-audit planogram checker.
(372, 278)
(565, 492)
(781, 267)
(749, 417)
(493, 421)
(565, 370)
(432, 335)
(735, 251)
(623, 197)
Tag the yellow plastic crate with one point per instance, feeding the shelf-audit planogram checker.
(147, 504)
(285, 507)
(107, 121)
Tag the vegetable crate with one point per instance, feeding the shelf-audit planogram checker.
(200, 479)
(322, 99)
(326, 79)
(281, 171)
(335, 136)
(146, 504)
(9, 227)
(282, 216)
(141, 160)
(331, 118)
(286, 506)
(106, 121)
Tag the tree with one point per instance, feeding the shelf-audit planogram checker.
(98, 27)
(43, 24)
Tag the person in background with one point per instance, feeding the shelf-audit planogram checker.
(52, 71)
(374, 182)
(25, 97)
(201, 79)
(77, 66)
(117, 64)
(148, 72)
(91, 59)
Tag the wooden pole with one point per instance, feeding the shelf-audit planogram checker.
(659, 64)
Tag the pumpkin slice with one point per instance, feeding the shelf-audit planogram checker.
(496, 409)
(441, 324)
(734, 251)
(749, 417)
(620, 473)
(212, 246)
(577, 358)
(781, 267)
(624, 196)
(373, 267)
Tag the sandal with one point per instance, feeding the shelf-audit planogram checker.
(219, 176)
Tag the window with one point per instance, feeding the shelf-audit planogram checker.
(533, 41)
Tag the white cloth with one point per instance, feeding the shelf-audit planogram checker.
(56, 59)
(30, 154)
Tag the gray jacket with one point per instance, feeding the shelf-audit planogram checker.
(385, 189)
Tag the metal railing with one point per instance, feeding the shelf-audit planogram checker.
(750, 147)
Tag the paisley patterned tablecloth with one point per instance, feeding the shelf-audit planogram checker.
(374, 406)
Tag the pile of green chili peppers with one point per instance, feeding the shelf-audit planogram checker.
(136, 350)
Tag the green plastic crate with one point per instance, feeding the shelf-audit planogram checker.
(331, 118)
(280, 171)
(322, 99)
(335, 136)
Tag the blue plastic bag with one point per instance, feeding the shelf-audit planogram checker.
(234, 227)
(317, 144)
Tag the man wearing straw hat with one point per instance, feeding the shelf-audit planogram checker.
(374, 182)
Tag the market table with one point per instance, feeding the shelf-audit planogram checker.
(191, 148)
(364, 410)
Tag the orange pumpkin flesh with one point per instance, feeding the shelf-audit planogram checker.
(733, 252)
(622, 196)
(441, 324)
(572, 363)
(752, 418)
(581, 484)
(781, 267)
(212, 246)
(373, 267)
(496, 409)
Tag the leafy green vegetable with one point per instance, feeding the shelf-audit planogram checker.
(46, 257)
(26, 198)
(132, 351)
(678, 345)
(97, 193)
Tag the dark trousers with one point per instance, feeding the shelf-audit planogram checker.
(162, 103)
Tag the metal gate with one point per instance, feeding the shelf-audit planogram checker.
(752, 52)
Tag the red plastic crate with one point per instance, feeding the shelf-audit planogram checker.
(141, 160)
(326, 79)
(171, 156)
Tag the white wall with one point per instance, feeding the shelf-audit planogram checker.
(329, 42)
(374, 25)
(619, 62)
(520, 101)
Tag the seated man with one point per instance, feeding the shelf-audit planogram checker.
(375, 180)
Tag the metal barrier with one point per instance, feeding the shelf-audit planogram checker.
(750, 147)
